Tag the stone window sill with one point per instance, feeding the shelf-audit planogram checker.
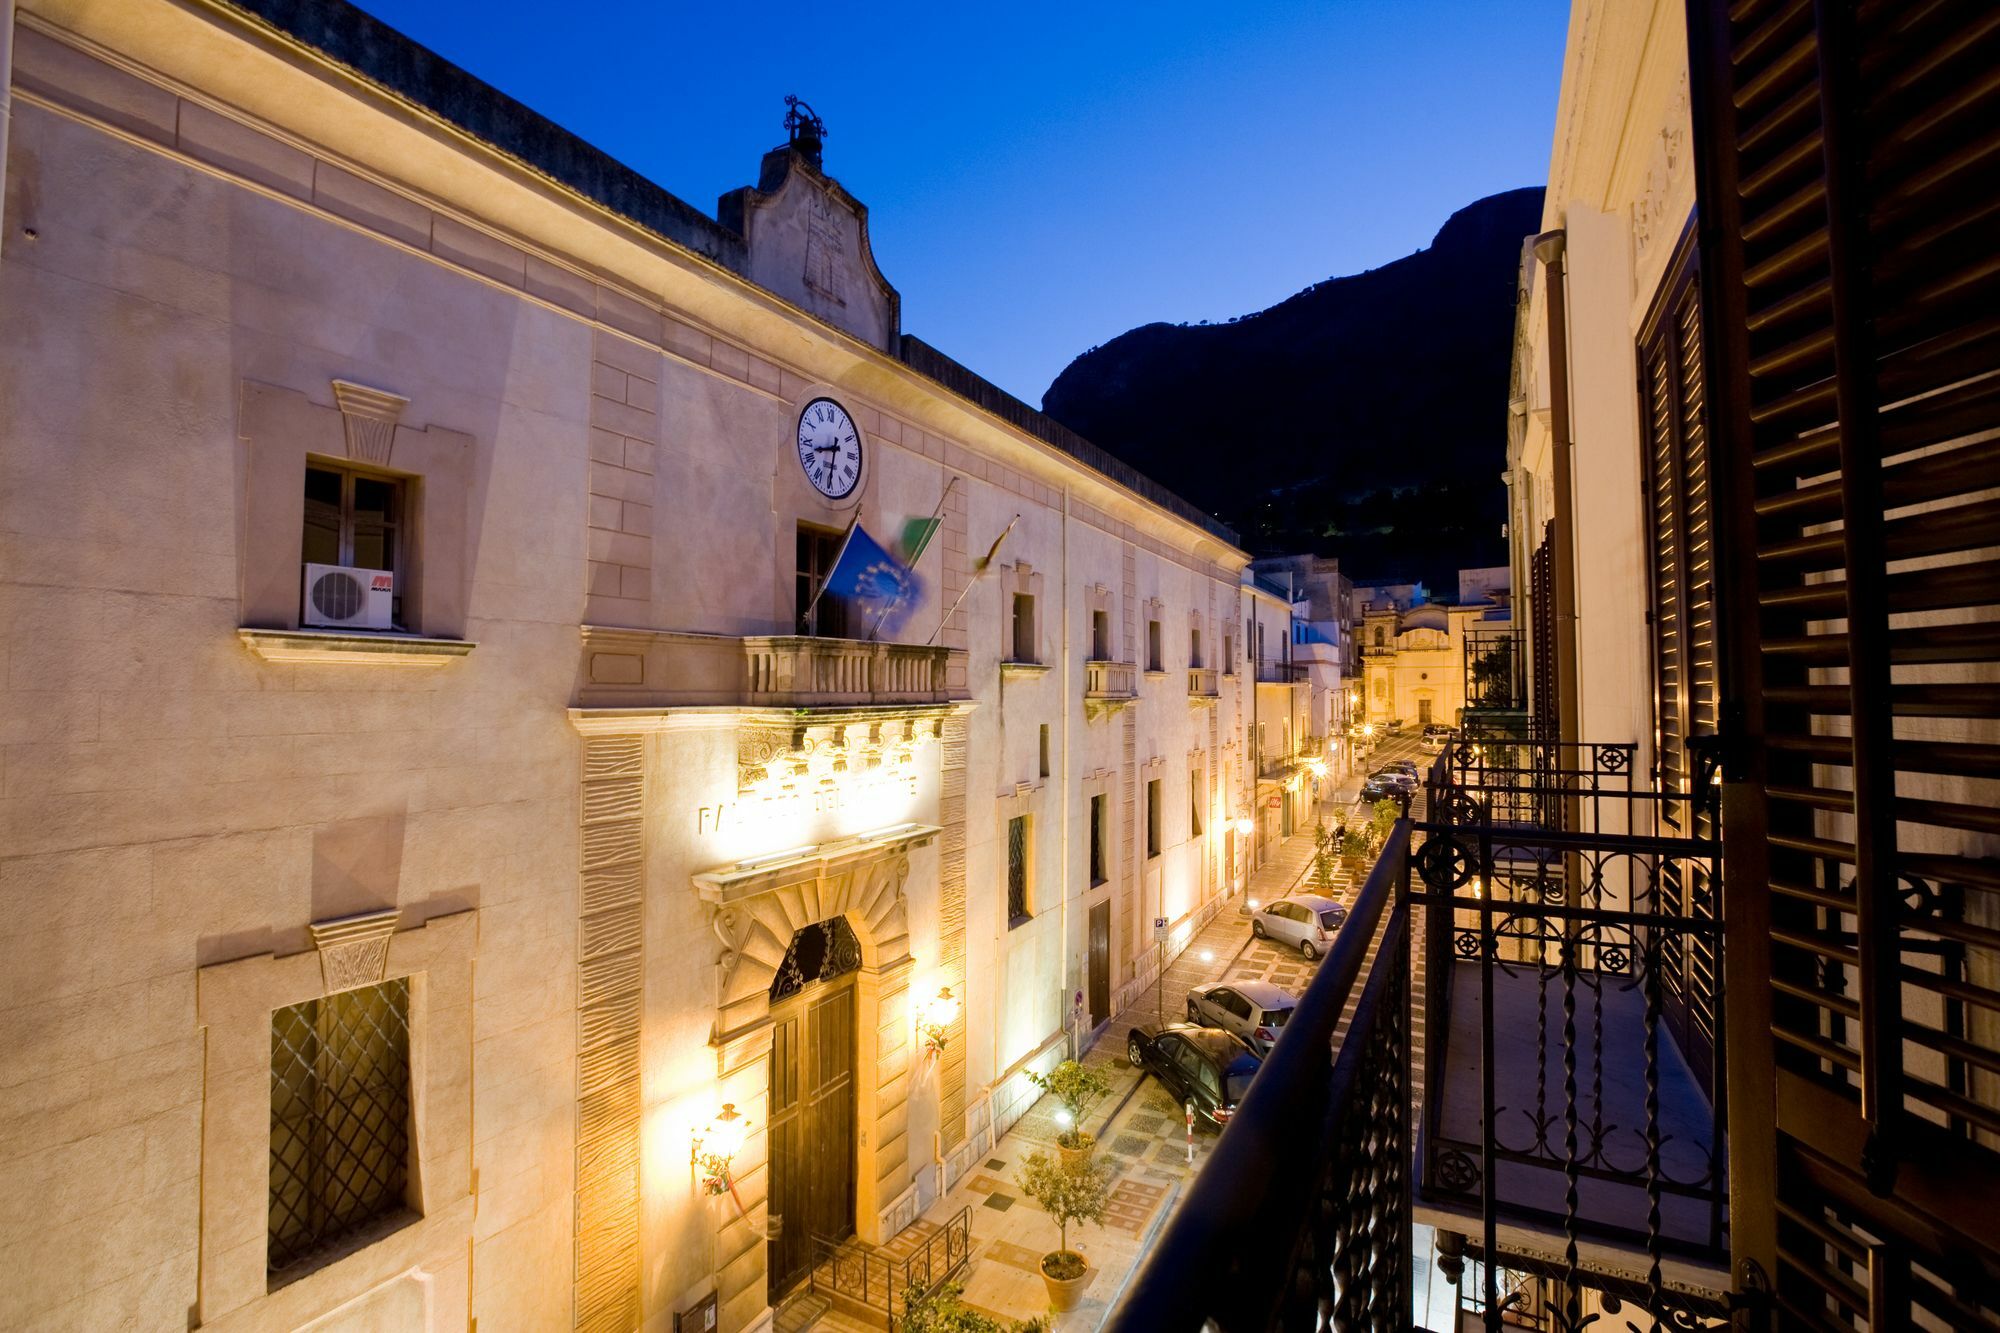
(293, 647)
(1011, 667)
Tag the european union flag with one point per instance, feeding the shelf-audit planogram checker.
(865, 572)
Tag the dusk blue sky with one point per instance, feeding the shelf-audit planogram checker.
(1042, 177)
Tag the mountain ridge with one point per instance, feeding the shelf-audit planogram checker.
(1363, 416)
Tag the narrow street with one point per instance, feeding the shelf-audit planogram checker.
(1141, 1130)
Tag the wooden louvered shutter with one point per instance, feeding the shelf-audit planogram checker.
(1849, 176)
(1542, 644)
(1683, 614)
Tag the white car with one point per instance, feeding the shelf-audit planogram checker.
(1254, 1010)
(1308, 922)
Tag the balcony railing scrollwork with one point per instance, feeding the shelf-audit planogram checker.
(1301, 1218)
(1572, 1017)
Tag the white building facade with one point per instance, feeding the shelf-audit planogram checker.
(526, 960)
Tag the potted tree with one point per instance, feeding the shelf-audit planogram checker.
(1068, 1194)
(1326, 858)
(1076, 1089)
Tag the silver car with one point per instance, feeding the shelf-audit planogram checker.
(1307, 922)
(1254, 1010)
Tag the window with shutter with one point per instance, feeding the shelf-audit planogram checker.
(1683, 618)
(1542, 631)
(1847, 200)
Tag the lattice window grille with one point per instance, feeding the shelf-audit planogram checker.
(340, 1119)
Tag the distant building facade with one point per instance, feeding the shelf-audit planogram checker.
(1323, 629)
(466, 864)
(1420, 663)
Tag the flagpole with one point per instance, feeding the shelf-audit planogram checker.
(977, 570)
(930, 530)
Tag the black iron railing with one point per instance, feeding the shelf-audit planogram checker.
(1517, 782)
(1495, 669)
(1280, 671)
(1301, 1218)
(1572, 952)
(878, 1280)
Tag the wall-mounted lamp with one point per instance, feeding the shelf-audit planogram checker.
(716, 1146)
(1245, 826)
(1317, 767)
(934, 1019)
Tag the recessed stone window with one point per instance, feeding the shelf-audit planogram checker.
(340, 1125)
(1024, 628)
(1019, 844)
(1153, 818)
(351, 487)
(357, 520)
(1100, 839)
(820, 613)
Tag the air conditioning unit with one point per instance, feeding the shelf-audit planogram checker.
(341, 598)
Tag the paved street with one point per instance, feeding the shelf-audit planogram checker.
(1141, 1131)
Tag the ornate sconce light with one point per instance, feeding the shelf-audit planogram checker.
(1317, 767)
(934, 1018)
(715, 1148)
(1245, 826)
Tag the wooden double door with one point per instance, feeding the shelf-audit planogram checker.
(812, 1126)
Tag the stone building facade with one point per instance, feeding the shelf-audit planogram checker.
(1414, 659)
(401, 979)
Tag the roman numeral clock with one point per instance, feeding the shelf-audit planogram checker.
(829, 448)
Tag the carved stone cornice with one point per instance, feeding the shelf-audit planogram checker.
(369, 417)
(354, 950)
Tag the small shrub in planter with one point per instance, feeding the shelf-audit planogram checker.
(942, 1311)
(1076, 1089)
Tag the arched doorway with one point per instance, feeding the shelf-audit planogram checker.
(812, 1106)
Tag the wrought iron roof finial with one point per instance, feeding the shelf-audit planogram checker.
(804, 130)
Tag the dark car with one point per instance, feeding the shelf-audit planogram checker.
(1206, 1066)
(1396, 778)
(1380, 788)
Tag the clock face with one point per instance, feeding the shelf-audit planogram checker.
(829, 448)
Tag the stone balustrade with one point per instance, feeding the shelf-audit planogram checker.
(805, 672)
(660, 668)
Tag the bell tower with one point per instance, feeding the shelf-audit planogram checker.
(807, 238)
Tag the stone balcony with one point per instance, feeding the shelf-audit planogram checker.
(660, 668)
(1204, 685)
(1108, 686)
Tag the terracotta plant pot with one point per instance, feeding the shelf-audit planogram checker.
(1065, 1293)
(1079, 1156)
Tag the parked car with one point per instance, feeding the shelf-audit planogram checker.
(1307, 922)
(1408, 766)
(1433, 744)
(1206, 1066)
(1397, 778)
(1254, 1010)
(1393, 725)
(1381, 787)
